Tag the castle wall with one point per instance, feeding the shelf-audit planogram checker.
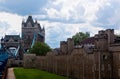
(116, 65)
(77, 65)
(115, 50)
(103, 55)
(111, 36)
(29, 60)
(106, 65)
(103, 45)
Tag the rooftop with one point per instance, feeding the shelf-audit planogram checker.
(90, 40)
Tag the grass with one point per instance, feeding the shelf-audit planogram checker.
(22, 73)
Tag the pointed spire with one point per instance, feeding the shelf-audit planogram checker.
(35, 20)
(23, 21)
(43, 28)
(2, 39)
(30, 19)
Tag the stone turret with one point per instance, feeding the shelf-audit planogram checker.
(111, 36)
(67, 46)
(23, 23)
(104, 39)
(70, 42)
(63, 47)
(101, 41)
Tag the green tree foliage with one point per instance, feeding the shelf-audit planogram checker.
(40, 48)
(78, 37)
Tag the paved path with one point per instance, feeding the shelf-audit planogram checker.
(10, 74)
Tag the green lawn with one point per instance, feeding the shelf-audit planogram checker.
(22, 73)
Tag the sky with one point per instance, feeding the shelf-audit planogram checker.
(61, 18)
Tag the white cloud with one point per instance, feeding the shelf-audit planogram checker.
(75, 10)
(84, 10)
(12, 23)
(64, 9)
(57, 31)
(68, 11)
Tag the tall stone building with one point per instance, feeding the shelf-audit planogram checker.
(31, 33)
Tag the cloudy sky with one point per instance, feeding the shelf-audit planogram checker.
(61, 18)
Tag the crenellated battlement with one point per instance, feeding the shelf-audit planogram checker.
(104, 39)
(63, 42)
(67, 46)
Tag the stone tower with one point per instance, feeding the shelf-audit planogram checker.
(64, 47)
(31, 33)
(103, 59)
(70, 44)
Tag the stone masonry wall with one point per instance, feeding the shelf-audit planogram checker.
(78, 65)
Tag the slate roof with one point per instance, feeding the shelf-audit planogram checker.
(30, 19)
(90, 40)
(15, 37)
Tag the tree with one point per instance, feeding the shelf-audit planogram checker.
(40, 48)
(78, 37)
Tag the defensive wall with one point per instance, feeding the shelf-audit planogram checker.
(97, 61)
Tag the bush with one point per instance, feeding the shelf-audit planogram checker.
(40, 48)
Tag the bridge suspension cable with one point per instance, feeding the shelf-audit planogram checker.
(17, 50)
(33, 41)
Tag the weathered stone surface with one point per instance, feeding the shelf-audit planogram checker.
(75, 62)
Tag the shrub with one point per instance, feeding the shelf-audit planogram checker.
(40, 48)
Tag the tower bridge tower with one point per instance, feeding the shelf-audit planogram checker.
(31, 33)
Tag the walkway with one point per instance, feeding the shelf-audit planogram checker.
(10, 74)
